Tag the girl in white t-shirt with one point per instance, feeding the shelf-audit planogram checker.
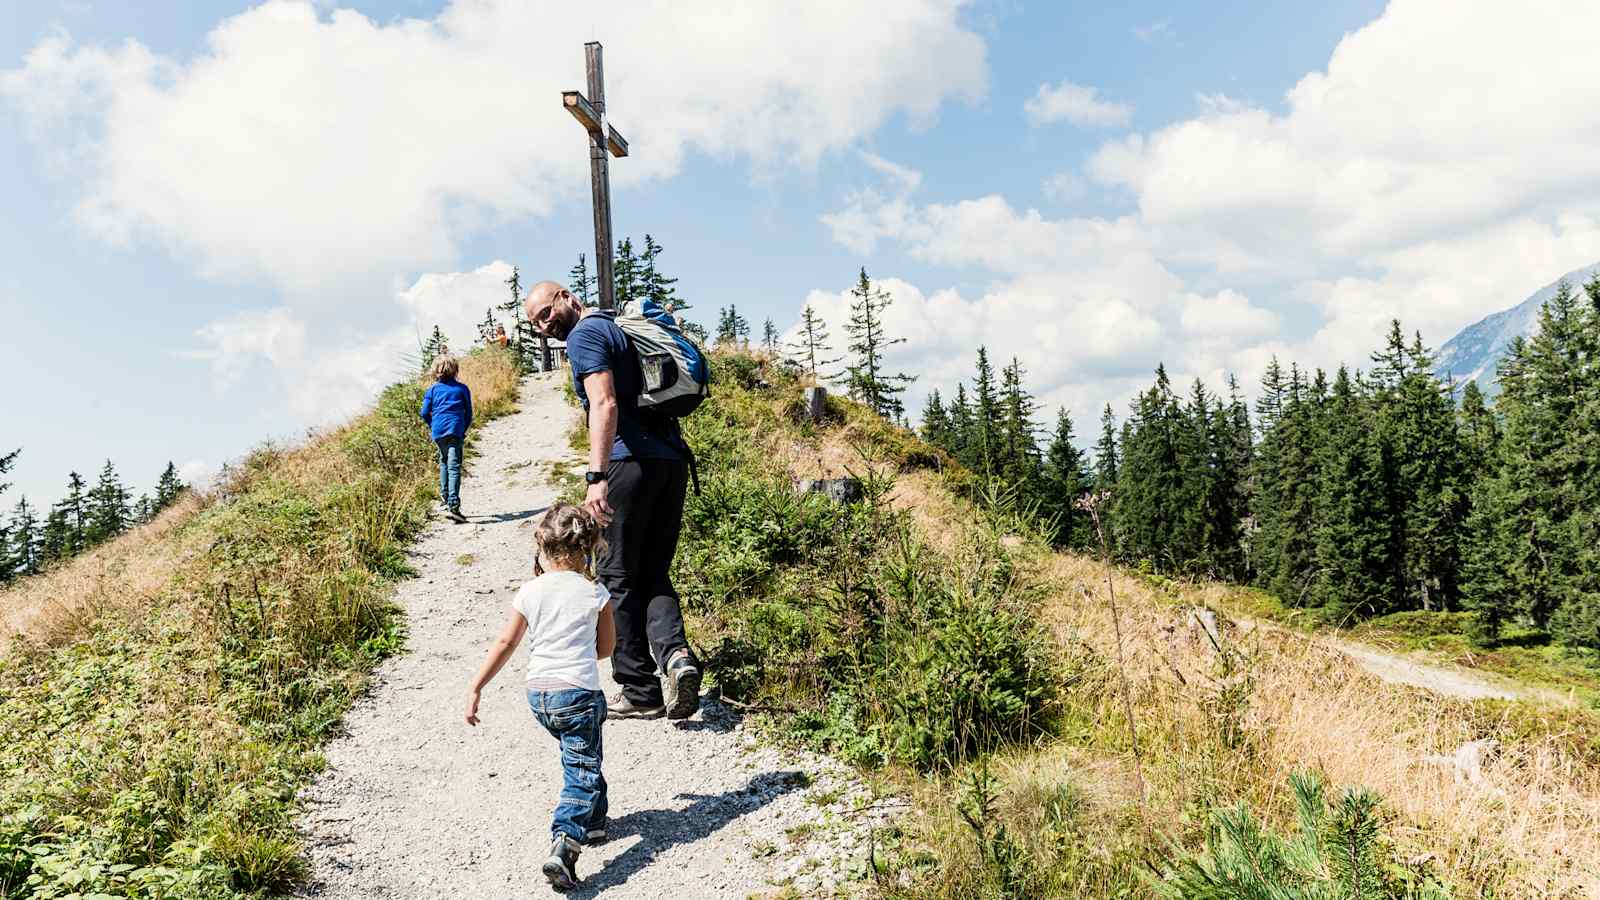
(567, 618)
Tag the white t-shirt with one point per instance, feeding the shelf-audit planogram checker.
(562, 609)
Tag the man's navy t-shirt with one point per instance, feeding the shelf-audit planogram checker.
(597, 344)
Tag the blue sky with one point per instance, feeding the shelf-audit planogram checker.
(224, 221)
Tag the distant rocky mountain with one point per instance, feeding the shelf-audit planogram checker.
(1473, 354)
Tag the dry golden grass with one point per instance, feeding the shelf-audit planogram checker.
(128, 573)
(1282, 703)
(131, 574)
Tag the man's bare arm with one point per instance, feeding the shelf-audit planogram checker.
(602, 392)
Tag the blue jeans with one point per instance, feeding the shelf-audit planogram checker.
(449, 470)
(574, 717)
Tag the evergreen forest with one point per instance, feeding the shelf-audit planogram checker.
(33, 539)
(1351, 495)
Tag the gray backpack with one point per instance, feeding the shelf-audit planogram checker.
(676, 376)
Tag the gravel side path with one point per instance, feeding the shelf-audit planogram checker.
(417, 805)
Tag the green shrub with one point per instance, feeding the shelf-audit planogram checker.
(881, 648)
(1338, 854)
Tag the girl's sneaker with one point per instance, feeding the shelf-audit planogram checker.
(562, 866)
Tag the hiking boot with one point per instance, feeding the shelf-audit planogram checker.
(562, 866)
(682, 689)
(595, 836)
(456, 516)
(620, 707)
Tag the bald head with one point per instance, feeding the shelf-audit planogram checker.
(552, 309)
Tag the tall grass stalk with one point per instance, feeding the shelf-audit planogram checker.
(1092, 503)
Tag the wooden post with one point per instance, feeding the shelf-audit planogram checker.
(600, 176)
(816, 403)
(591, 114)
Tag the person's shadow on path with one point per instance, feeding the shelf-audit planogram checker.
(507, 516)
(663, 829)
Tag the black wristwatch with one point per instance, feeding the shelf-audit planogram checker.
(593, 477)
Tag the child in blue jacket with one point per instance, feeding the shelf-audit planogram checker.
(447, 408)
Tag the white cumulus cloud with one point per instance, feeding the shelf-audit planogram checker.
(1075, 103)
(1439, 168)
(329, 153)
(334, 156)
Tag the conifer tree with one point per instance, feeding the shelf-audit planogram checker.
(57, 540)
(1269, 406)
(67, 525)
(866, 379)
(1480, 433)
(1152, 500)
(435, 346)
(1283, 497)
(487, 327)
(983, 438)
(1229, 505)
(7, 564)
(1066, 480)
(1019, 433)
(732, 328)
(144, 509)
(1107, 468)
(7, 462)
(1417, 423)
(1354, 569)
(1193, 538)
(810, 350)
(625, 274)
(653, 282)
(694, 330)
(525, 345)
(580, 282)
(769, 336)
(936, 423)
(1105, 453)
(168, 487)
(108, 512)
(22, 551)
(1534, 529)
(960, 435)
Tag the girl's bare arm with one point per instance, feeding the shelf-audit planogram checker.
(605, 633)
(504, 646)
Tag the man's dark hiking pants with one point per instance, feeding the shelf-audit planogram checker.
(646, 497)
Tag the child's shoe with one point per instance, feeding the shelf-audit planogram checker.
(455, 515)
(595, 836)
(562, 866)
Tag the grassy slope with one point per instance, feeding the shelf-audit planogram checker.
(1441, 638)
(1066, 808)
(165, 695)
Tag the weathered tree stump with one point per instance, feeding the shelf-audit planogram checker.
(839, 490)
(816, 403)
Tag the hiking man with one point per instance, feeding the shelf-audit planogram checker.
(637, 478)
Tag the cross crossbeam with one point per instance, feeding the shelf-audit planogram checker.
(590, 112)
(589, 118)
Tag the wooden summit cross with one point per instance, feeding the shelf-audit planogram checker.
(591, 114)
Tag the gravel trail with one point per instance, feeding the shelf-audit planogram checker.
(415, 804)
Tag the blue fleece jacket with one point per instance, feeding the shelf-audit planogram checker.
(447, 408)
